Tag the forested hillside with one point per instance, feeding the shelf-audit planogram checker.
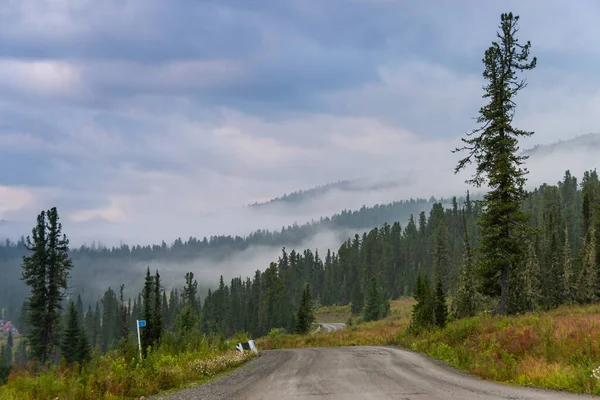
(590, 141)
(124, 264)
(303, 196)
(560, 267)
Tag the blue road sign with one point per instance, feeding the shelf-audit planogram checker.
(141, 323)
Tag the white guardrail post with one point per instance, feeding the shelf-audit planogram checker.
(249, 345)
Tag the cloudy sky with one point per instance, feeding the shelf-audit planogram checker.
(135, 116)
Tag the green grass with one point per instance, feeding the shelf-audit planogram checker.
(332, 314)
(373, 333)
(554, 350)
(114, 376)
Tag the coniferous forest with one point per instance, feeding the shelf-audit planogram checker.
(366, 271)
(509, 252)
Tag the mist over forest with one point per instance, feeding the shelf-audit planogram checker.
(297, 220)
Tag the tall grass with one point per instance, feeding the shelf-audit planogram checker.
(380, 332)
(123, 376)
(554, 350)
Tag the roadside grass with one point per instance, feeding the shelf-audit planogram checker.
(115, 376)
(372, 333)
(333, 314)
(557, 350)
(553, 350)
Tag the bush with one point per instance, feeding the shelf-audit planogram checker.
(276, 332)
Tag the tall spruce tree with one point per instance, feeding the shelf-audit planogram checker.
(423, 312)
(83, 347)
(371, 309)
(147, 310)
(531, 284)
(567, 273)
(586, 282)
(123, 320)
(440, 306)
(305, 315)
(494, 149)
(46, 272)
(465, 297)
(80, 310)
(190, 292)
(441, 254)
(157, 323)
(71, 335)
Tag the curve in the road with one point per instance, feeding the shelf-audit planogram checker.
(350, 373)
(329, 327)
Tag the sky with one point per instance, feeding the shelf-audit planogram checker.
(142, 120)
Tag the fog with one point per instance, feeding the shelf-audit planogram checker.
(437, 180)
(432, 177)
(544, 168)
(206, 271)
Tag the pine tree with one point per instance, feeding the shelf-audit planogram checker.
(96, 328)
(190, 291)
(46, 272)
(371, 306)
(123, 313)
(495, 152)
(440, 307)
(79, 310)
(110, 330)
(595, 237)
(123, 321)
(568, 281)
(423, 313)
(83, 347)
(186, 320)
(71, 335)
(356, 305)
(164, 311)
(157, 324)
(305, 315)
(376, 306)
(441, 255)
(146, 336)
(465, 297)
(532, 293)
(586, 282)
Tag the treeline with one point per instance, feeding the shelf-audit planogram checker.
(306, 195)
(393, 259)
(123, 261)
(303, 195)
(366, 272)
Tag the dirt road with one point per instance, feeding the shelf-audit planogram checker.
(354, 373)
(330, 327)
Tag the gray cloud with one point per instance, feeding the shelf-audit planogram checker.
(119, 112)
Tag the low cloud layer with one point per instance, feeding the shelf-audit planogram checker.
(145, 120)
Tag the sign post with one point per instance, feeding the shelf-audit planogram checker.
(140, 324)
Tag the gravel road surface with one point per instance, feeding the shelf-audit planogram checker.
(350, 373)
